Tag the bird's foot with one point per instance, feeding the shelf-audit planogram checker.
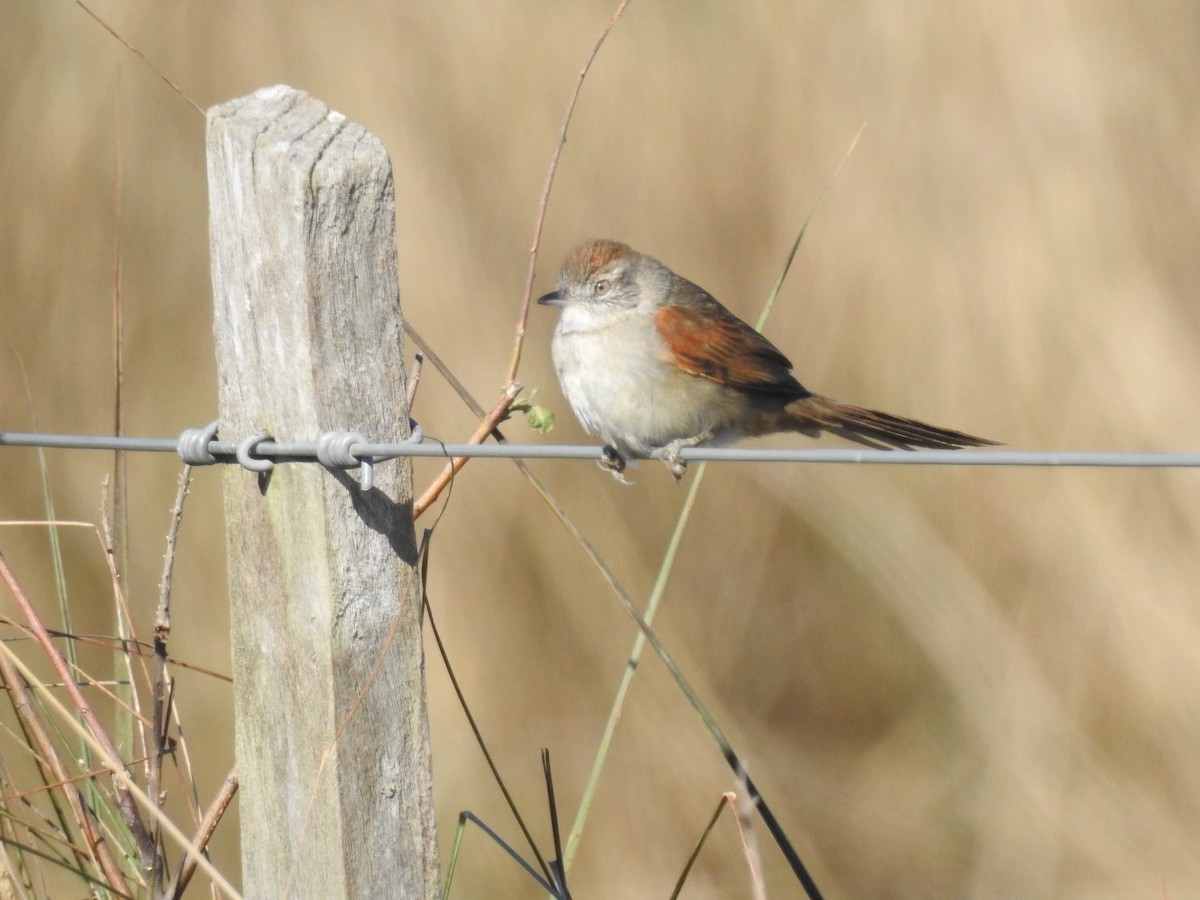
(669, 454)
(612, 461)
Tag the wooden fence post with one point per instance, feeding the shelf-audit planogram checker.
(332, 737)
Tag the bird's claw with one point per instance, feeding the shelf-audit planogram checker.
(612, 461)
(675, 464)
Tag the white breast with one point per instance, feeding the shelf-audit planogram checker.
(613, 371)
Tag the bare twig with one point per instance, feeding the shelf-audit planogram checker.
(162, 630)
(128, 700)
(414, 378)
(480, 435)
(162, 619)
(208, 826)
(451, 379)
(486, 426)
(523, 316)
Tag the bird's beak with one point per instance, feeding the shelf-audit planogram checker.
(554, 298)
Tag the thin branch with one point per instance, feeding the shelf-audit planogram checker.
(162, 630)
(445, 371)
(162, 619)
(523, 316)
(128, 700)
(414, 379)
(560, 873)
(743, 818)
(486, 426)
(212, 817)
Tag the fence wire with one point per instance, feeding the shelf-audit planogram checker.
(355, 450)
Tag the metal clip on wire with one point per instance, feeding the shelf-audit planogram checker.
(193, 444)
(247, 447)
(333, 451)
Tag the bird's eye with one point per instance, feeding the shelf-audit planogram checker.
(603, 285)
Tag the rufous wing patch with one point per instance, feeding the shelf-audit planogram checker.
(713, 343)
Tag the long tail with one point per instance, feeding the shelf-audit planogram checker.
(814, 414)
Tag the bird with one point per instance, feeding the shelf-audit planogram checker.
(652, 364)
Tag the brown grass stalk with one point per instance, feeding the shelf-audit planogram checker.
(42, 742)
(125, 802)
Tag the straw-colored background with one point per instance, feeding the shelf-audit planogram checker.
(948, 682)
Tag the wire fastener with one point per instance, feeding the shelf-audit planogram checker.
(193, 444)
(248, 446)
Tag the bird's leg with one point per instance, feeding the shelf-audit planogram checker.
(670, 453)
(612, 460)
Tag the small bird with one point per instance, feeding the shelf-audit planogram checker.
(652, 363)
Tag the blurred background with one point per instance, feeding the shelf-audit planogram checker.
(947, 682)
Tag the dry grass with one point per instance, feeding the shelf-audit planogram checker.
(948, 683)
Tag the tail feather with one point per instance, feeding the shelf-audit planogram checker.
(813, 414)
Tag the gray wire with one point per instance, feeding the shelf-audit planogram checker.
(87, 442)
(284, 451)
